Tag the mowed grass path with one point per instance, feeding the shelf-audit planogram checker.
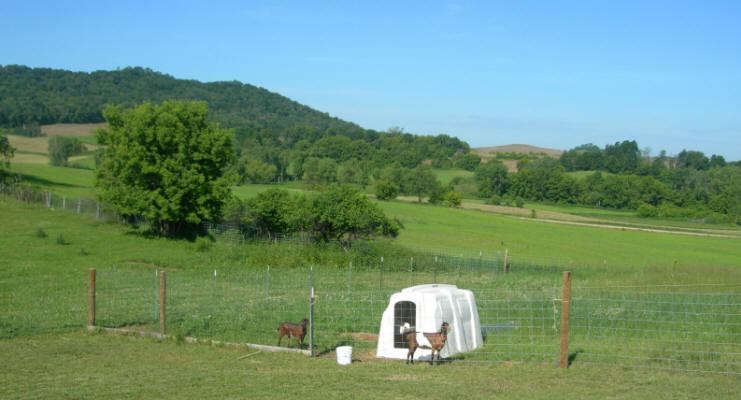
(90, 365)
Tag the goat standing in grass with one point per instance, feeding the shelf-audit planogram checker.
(436, 341)
(298, 331)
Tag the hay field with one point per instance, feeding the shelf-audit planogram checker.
(71, 129)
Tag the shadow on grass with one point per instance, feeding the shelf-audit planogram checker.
(35, 180)
(572, 356)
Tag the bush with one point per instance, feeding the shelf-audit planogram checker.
(667, 210)
(386, 190)
(452, 199)
(494, 200)
(519, 202)
(647, 211)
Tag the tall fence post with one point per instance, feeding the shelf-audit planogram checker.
(349, 279)
(267, 285)
(163, 283)
(506, 253)
(380, 275)
(311, 321)
(156, 279)
(565, 307)
(434, 272)
(411, 271)
(91, 298)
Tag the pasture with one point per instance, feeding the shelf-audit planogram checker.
(224, 290)
(91, 365)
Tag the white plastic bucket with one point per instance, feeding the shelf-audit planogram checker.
(344, 355)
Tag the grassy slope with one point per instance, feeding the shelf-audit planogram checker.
(437, 227)
(72, 182)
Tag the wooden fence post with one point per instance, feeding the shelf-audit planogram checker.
(163, 282)
(506, 253)
(91, 298)
(565, 307)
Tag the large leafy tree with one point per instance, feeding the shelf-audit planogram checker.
(166, 163)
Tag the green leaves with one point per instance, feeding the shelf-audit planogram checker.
(164, 162)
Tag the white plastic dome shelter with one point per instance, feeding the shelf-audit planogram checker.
(426, 307)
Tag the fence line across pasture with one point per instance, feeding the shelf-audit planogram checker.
(693, 328)
(682, 329)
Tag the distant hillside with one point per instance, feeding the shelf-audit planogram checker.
(516, 148)
(49, 96)
(276, 137)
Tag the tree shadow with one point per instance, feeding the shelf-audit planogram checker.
(32, 179)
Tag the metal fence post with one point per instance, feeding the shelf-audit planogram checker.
(565, 307)
(163, 283)
(411, 271)
(506, 253)
(434, 272)
(380, 275)
(311, 321)
(267, 285)
(91, 298)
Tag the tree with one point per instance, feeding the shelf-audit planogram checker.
(272, 212)
(166, 163)
(6, 153)
(420, 181)
(319, 171)
(469, 161)
(693, 159)
(341, 213)
(251, 170)
(491, 178)
(62, 148)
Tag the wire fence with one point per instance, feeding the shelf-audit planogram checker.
(682, 328)
(687, 328)
(82, 206)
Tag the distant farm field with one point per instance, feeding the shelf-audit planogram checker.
(71, 129)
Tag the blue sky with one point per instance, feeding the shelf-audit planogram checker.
(552, 74)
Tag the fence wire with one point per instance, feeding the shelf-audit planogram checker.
(672, 328)
(683, 328)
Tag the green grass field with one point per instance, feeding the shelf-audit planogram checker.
(89, 365)
(46, 254)
(447, 175)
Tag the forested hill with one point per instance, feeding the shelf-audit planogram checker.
(48, 96)
(275, 135)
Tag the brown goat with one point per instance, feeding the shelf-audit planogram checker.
(437, 342)
(296, 330)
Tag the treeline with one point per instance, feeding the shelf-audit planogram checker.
(690, 185)
(274, 135)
